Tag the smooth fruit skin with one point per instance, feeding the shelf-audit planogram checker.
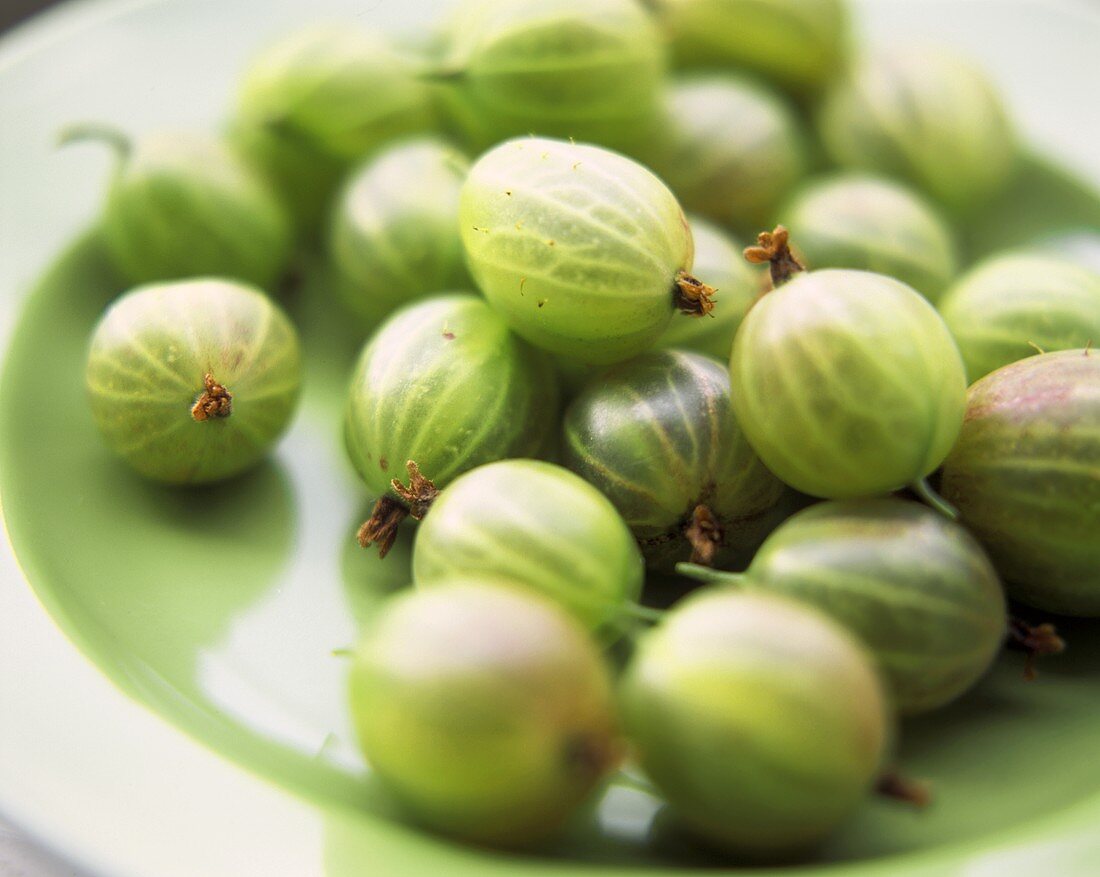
(761, 721)
(718, 258)
(926, 116)
(856, 220)
(658, 437)
(576, 246)
(1025, 477)
(539, 525)
(586, 69)
(847, 384)
(912, 585)
(319, 100)
(729, 148)
(444, 383)
(182, 205)
(799, 44)
(485, 709)
(394, 233)
(1007, 306)
(148, 358)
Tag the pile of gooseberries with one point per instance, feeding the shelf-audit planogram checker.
(578, 390)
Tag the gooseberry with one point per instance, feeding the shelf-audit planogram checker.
(585, 252)
(1025, 477)
(760, 720)
(486, 710)
(442, 387)
(193, 382)
(1017, 304)
(658, 436)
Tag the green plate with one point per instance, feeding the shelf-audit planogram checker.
(169, 699)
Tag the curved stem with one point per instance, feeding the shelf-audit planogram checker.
(643, 613)
(924, 490)
(710, 576)
(85, 132)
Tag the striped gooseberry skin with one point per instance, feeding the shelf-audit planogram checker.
(394, 234)
(657, 435)
(847, 383)
(1003, 306)
(927, 116)
(729, 148)
(761, 721)
(799, 45)
(576, 246)
(912, 585)
(590, 70)
(147, 362)
(539, 525)
(484, 708)
(1025, 477)
(719, 259)
(444, 383)
(856, 220)
(183, 205)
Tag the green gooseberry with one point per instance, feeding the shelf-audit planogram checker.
(730, 149)
(926, 116)
(847, 383)
(1010, 304)
(540, 525)
(485, 709)
(658, 436)
(440, 388)
(182, 205)
(1025, 477)
(394, 234)
(736, 286)
(584, 69)
(856, 220)
(318, 101)
(799, 44)
(911, 584)
(585, 252)
(760, 720)
(194, 381)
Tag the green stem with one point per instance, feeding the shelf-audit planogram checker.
(924, 490)
(643, 613)
(84, 132)
(344, 652)
(710, 576)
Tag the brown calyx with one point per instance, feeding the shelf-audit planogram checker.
(1036, 641)
(692, 296)
(592, 754)
(705, 535)
(388, 513)
(214, 401)
(773, 247)
(894, 784)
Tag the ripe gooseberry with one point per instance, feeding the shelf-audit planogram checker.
(586, 69)
(442, 387)
(926, 116)
(585, 252)
(856, 220)
(1025, 477)
(540, 525)
(846, 383)
(319, 100)
(730, 149)
(182, 205)
(912, 585)
(394, 235)
(1017, 304)
(192, 382)
(760, 720)
(486, 710)
(658, 436)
